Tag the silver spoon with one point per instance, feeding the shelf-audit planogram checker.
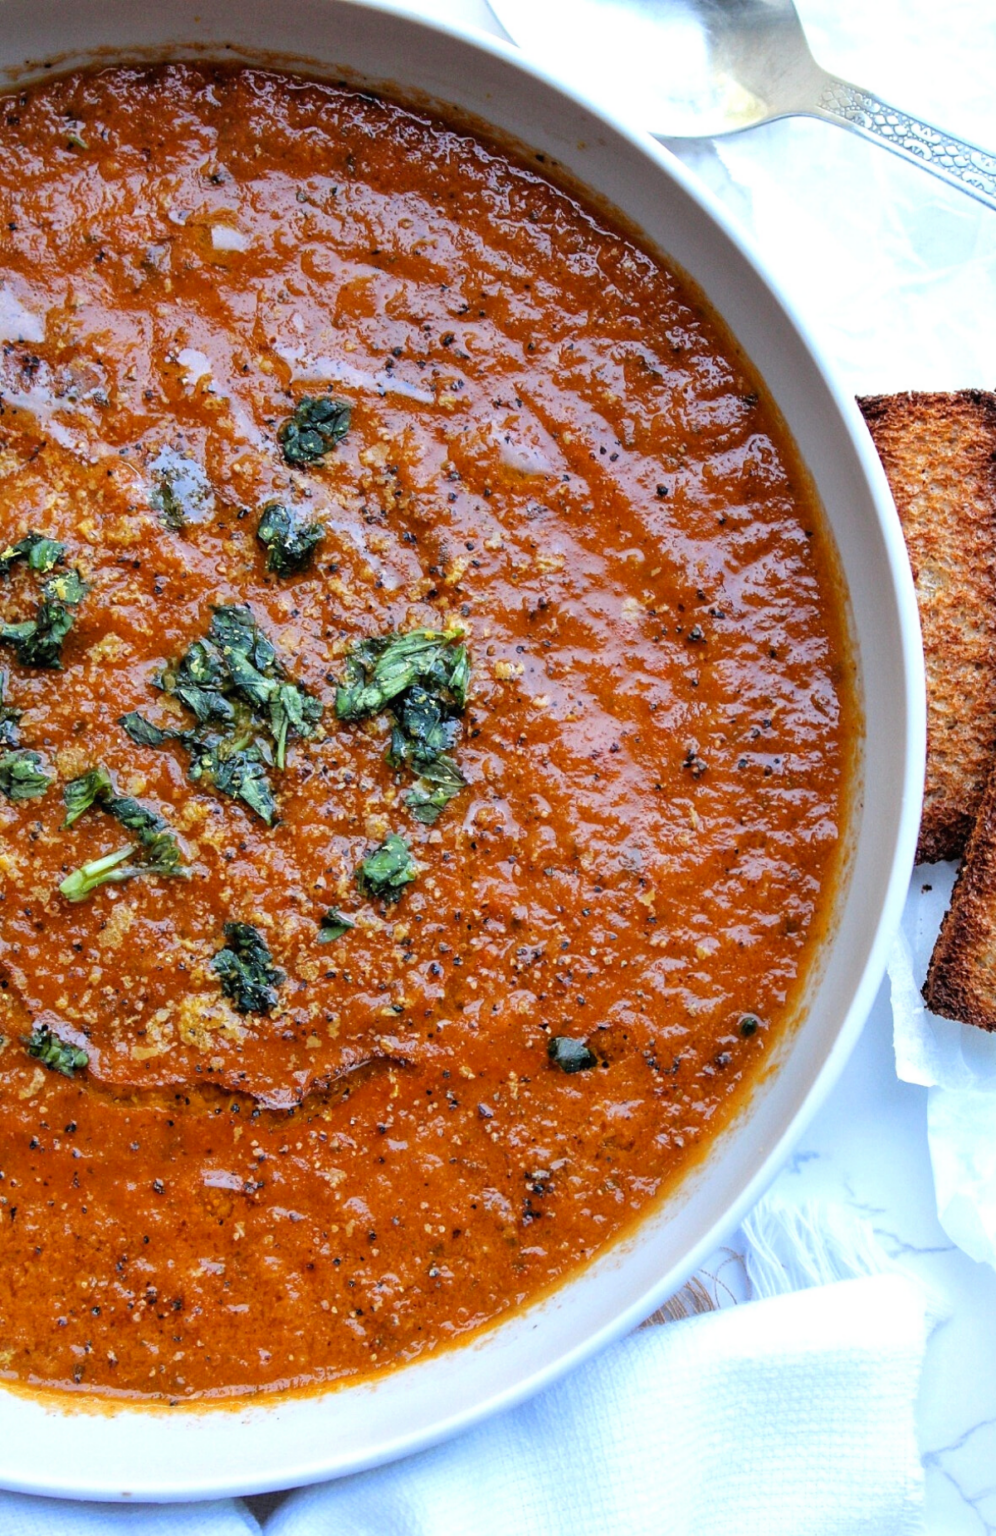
(701, 68)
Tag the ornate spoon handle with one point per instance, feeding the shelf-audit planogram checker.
(963, 165)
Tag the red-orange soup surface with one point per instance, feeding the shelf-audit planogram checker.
(555, 460)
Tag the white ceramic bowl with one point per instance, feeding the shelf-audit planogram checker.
(94, 1453)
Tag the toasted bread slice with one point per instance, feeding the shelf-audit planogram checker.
(961, 980)
(938, 453)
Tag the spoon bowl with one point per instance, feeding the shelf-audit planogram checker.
(704, 68)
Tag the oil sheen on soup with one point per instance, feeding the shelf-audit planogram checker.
(425, 737)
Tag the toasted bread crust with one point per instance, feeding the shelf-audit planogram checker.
(961, 980)
(938, 452)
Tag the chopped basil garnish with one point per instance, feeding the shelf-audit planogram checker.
(424, 729)
(246, 971)
(426, 805)
(65, 587)
(8, 719)
(182, 492)
(234, 681)
(58, 1055)
(41, 553)
(570, 1055)
(22, 776)
(333, 925)
(422, 732)
(199, 681)
(44, 554)
(422, 677)
(238, 664)
(379, 669)
(292, 712)
(79, 794)
(289, 540)
(142, 732)
(235, 769)
(160, 849)
(316, 426)
(387, 869)
(105, 871)
(37, 642)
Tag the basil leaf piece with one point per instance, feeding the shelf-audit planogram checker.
(423, 732)
(379, 669)
(387, 869)
(426, 805)
(58, 1055)
(242, 776)
(161, 851)
(44, 554)
(22, 776)
(333, 925)
(233, 679)
(142, 732)
(246, 971)
(422, 677)
(292, 710)
(79, 794)
(235, 631)
(8, 719)
(290, 542)
(570, 1055)
(315, 428)
(234, 768)
(41, 553)
(104, 871)
(65, 587)
(38, 642)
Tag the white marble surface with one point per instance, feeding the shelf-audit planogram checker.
(896, 275)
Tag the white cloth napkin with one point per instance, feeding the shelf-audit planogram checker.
(792, 1415)
(789, 1417)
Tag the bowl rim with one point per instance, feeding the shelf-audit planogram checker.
(66, 1484)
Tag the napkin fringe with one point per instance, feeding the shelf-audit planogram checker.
(782, 1248)
(795, 1247)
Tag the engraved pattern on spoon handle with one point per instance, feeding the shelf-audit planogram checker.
(964, 165)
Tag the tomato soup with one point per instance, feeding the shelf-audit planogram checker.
(425, 739)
